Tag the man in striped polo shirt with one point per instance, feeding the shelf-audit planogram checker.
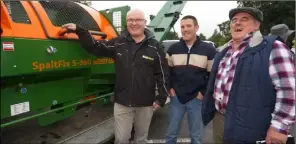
(190, 62)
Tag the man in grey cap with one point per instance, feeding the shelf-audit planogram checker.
(251, 89)
(283, 31)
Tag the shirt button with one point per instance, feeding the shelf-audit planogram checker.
(220, 96)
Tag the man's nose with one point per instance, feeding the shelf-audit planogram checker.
(238, 23)
(185, 29)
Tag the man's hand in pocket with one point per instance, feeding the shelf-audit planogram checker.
(199, 96)
(155, 106)
(172, 92)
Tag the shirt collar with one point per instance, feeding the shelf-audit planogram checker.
(247, 39)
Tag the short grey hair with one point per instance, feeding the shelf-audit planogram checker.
(136, 11)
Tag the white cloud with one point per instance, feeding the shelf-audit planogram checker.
(208, 13)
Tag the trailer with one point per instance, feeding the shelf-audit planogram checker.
(47, 78)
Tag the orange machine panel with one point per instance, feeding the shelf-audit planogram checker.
(53, 31)
(5, 21)
(21, 30)
(105, 26)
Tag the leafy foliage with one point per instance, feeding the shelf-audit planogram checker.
(274, 12)
(171, 36)
(218, 38)
(225, 29)
(202, 36)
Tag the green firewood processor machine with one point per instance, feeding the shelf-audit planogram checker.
(45, 74)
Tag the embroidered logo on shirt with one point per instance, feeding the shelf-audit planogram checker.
(147, 57)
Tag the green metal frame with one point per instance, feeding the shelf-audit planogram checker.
(71, 106)
(102, 75)
(53, 84)
(166, 18)
(108, 13)
(55, 91)
(33, 77)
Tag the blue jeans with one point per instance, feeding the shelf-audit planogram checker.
(194, 117)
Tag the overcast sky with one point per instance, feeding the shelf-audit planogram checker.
(208, 13)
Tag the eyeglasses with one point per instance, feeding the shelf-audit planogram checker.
(135, 20)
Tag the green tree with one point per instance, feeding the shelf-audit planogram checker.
(171, 35)
(224, 28)
(274, 12)
(218, 38)
(202, 36)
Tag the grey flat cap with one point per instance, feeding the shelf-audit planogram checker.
(281, 30)
(256, 13)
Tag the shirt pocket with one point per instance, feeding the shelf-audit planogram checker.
(148, 60)
(122, 57)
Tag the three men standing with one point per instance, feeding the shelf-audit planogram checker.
(251, 86)
(190, 61)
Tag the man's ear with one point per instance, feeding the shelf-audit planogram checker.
(196, 28)
(257, 24)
